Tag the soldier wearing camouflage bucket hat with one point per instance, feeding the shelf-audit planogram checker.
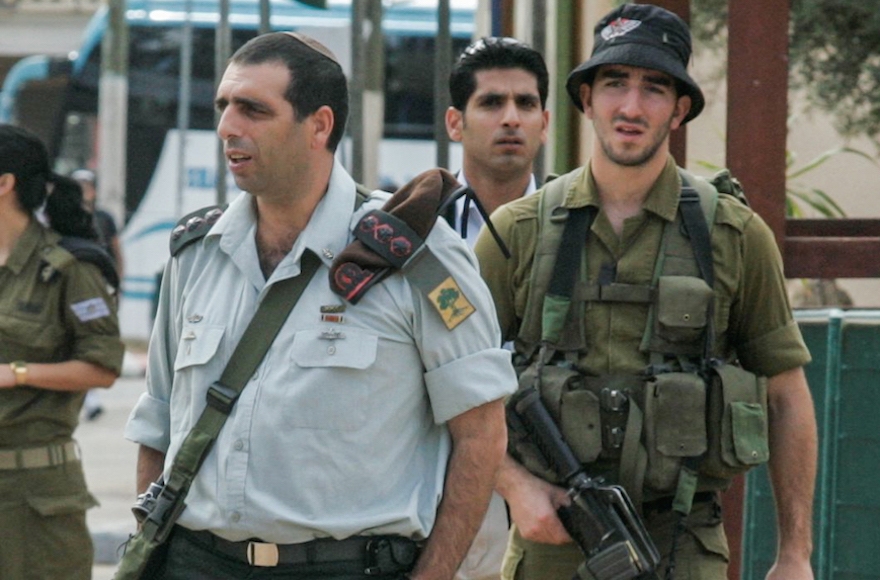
(674, 327)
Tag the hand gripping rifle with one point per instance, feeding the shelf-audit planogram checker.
(601, 518)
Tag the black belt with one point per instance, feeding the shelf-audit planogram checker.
(664, 504)
(377, 554)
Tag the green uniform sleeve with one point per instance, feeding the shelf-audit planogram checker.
(508, 278)
(90, 314)
(767, 339)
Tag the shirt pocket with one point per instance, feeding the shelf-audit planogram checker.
(198, 345)
(36, 335)
(331, 378)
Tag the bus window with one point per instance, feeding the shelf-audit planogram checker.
(409, 85)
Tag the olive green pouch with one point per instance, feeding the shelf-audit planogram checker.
(574, 409)
(675, 426)
(580, 422)
(681, 315)
(738, 423)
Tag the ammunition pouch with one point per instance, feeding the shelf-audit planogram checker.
(722, 421)
(738, 425)
(683, 309)
(551, 382)
(675, 426)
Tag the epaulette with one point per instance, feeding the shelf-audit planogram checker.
(88, 251)
(55, 259)
(194, 226)
(363, 193)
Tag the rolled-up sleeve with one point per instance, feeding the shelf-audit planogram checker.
(150, 420)
(92, 316)
(469, 382)
(465, 366)
(786, 345)
(768, 341)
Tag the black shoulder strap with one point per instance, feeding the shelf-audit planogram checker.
(571, 246)
(557, 301)
(697, 230)
(91, 252)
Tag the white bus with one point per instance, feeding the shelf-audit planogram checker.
(58, 99)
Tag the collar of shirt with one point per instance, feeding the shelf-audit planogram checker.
(662, 199)
(324, 234)
(474, 219)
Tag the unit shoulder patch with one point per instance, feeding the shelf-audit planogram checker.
(451, 303)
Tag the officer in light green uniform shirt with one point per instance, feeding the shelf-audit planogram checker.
(59, 336)
(632, 279)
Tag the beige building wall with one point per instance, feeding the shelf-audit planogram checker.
(53, 27)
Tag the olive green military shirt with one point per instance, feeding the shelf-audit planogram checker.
(753, 319)
(53, 308)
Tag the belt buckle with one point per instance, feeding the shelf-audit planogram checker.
(263, 555)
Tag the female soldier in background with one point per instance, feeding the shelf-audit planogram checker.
(59, 336)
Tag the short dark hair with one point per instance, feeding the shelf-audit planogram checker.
(315, 78)
(24, 156)
(490, 53)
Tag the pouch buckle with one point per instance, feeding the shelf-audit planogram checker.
(613, 400)
(614, 437)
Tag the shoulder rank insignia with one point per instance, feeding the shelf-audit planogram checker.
(54, 259)
(451, 303)
(194, 226)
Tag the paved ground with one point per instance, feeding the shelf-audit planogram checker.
(109, 462)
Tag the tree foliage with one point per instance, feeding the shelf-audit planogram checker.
(834, 56)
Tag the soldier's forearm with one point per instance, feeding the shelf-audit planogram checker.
(149, 467)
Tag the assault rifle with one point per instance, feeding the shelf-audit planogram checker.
(601, 518)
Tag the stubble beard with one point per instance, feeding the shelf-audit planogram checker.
(637, 158)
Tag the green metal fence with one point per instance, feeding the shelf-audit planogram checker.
(844, 379)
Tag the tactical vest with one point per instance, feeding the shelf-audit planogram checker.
(689, 420)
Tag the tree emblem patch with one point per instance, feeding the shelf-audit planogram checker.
(451, 303)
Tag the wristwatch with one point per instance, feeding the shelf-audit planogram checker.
(19, 369)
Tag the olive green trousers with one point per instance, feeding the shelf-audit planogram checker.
(43, 533)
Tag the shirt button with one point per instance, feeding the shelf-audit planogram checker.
(239, 445)
(331, 350)
(235, 517)
(256, 376)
